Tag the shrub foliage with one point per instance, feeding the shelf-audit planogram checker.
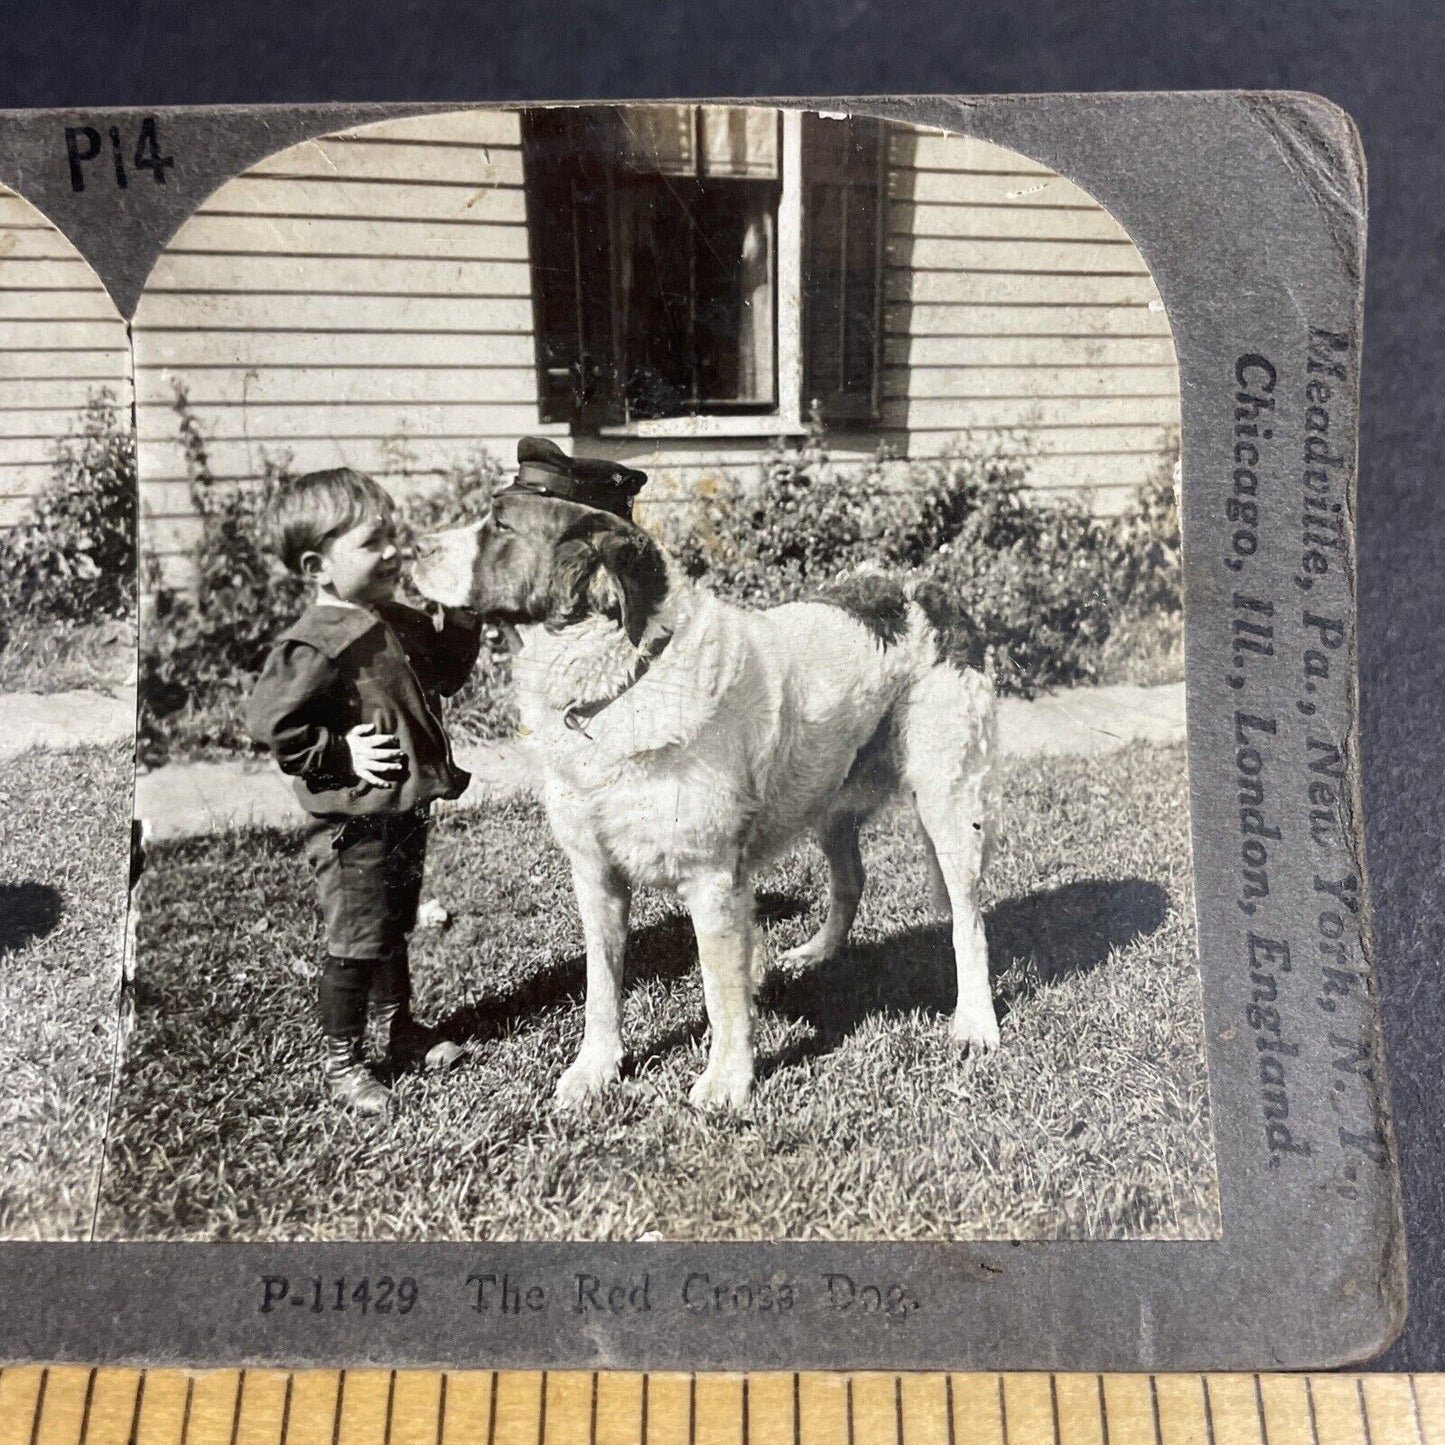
(1060, 594)
(73, 559)
(1050, 585)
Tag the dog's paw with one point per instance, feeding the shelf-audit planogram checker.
(760, 965)
(810, 954)
(976, 1030)
(587, 1076)
(722, 1089)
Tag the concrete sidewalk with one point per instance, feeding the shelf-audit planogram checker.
(64, 719)
(184, 800)
(190, 799)
(1087, 721)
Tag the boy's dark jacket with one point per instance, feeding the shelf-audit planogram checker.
(338, 667)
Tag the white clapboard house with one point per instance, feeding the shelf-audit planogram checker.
(669, 285)
(62, 343)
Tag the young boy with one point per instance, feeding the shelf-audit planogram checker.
(348, 705)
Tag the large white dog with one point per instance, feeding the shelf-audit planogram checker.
(686, 743)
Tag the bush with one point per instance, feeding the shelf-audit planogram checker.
(202, 652)
(807, 520)
(1048, 583)
(1061, 595)
(73, 560)
(1146, 644)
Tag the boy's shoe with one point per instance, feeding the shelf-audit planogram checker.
(414, 1046)
(358, 1089)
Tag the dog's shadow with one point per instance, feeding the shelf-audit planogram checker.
(1054, 934)
(1036, 939)
(663, 950)
(27, 911)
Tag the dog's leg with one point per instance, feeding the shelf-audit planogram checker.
(948, 743)
(838, 838)
(937, 884)
(959, 849)
(604, 901)
(722, 918)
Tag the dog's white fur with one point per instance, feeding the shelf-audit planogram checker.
(749, 730)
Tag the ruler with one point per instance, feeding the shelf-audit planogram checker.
(71, 1405)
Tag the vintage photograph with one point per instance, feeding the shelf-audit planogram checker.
(661, 697)
(67, 695)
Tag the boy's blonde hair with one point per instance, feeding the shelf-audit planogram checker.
(308, 512)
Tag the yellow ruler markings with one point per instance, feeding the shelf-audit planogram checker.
(111, 1415)
(1179, 1409)
(621, 1410)
(162, 1403)
(1390, 1408)
(417, 1416)
(73, 1405)
(569, 1418)
(20, 1399)
(1336, 1410)
(1390, 1412)
(65, 1406)
(770, 1411)
(316, 1397)
(877, 1410)
(927, 1418)
(1233, 1403)
(363, 1415)
(465, 1404)
(669, 1407)
(262, 1417)
(519, 1408)
(1028, 1407)
(821, 1409)
(1429, 1396)
(977, 1416)
(1127, 1412)
(1077, 1401)
(718, 1403)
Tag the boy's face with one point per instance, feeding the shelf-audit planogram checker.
(361, 565)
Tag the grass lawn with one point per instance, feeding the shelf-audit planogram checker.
(1091, 1121)
(64, 857)
(68, 656)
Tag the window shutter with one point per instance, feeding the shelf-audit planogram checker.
(843, 206)
(569, 230)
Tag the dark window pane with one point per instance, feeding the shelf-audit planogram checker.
(655, 294)
(654, 223)
(736, 313)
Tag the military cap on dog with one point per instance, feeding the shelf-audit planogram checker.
(545, 469)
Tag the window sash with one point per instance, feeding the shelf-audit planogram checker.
(582, 367)
(694, 268)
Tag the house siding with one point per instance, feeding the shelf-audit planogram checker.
(1014, 300)
(362, 300)
(61, 342)
(366, 300)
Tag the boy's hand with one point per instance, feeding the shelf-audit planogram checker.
(376, 758)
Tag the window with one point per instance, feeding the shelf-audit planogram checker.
(669, 250)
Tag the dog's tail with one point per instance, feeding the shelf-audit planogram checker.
(960, 640)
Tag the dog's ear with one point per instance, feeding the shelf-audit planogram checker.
(608, 568)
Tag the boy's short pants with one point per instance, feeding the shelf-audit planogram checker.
(368, 874)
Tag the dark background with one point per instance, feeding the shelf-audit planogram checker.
(1385, 63)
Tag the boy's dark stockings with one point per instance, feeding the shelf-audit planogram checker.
(349, 986)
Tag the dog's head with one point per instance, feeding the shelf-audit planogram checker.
(539, 559)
